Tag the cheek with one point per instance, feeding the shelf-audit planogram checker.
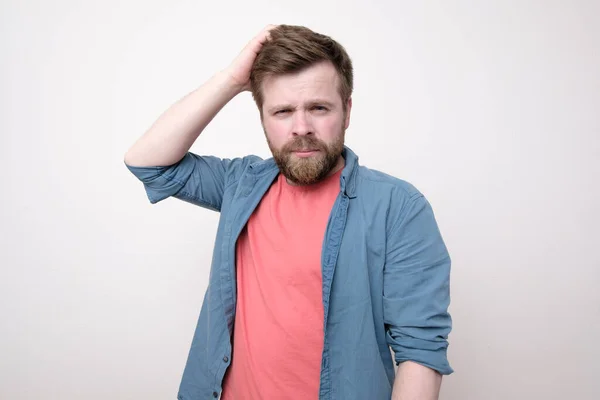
(276, 132)
(330, 128)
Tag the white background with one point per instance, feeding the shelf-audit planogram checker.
(491, 108)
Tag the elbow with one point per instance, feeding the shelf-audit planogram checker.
(133, 158)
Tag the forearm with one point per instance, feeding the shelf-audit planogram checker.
(174, 132)
(416, 382)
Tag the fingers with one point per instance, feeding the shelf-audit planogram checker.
(259, 40)
(265, 33)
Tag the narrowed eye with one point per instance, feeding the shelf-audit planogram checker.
(282, 111)
(320, 108)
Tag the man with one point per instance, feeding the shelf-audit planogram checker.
(320, 265)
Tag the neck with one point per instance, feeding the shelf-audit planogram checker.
(340, 164)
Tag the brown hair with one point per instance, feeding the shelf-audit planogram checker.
(293, 49)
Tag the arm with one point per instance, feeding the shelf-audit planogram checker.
(171, 136)
(416, 382)
(416, 300)
(161, 157)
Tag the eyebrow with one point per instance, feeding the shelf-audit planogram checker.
(311, 103)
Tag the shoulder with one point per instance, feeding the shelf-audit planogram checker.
(373, 180)
(399, 198)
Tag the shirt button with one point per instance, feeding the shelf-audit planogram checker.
(215, 395)
(225, 359)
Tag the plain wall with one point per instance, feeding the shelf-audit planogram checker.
(490, 108)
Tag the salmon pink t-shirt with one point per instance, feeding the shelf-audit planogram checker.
(278, 331)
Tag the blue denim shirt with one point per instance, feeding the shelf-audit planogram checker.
(385, 274)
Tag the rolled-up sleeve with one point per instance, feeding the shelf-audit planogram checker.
(417, 288)
(199, 180)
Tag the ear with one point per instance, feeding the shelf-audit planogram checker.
(348, 111)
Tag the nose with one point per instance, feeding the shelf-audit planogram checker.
(302, 124)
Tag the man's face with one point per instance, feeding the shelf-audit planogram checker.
(305, 122)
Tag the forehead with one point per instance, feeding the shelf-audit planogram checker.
(318, 81)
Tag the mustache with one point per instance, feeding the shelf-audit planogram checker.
(304, 143)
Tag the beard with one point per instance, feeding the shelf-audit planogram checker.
(307, 170)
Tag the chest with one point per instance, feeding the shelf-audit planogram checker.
(285, 234)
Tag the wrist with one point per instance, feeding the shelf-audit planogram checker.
(227, 83)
